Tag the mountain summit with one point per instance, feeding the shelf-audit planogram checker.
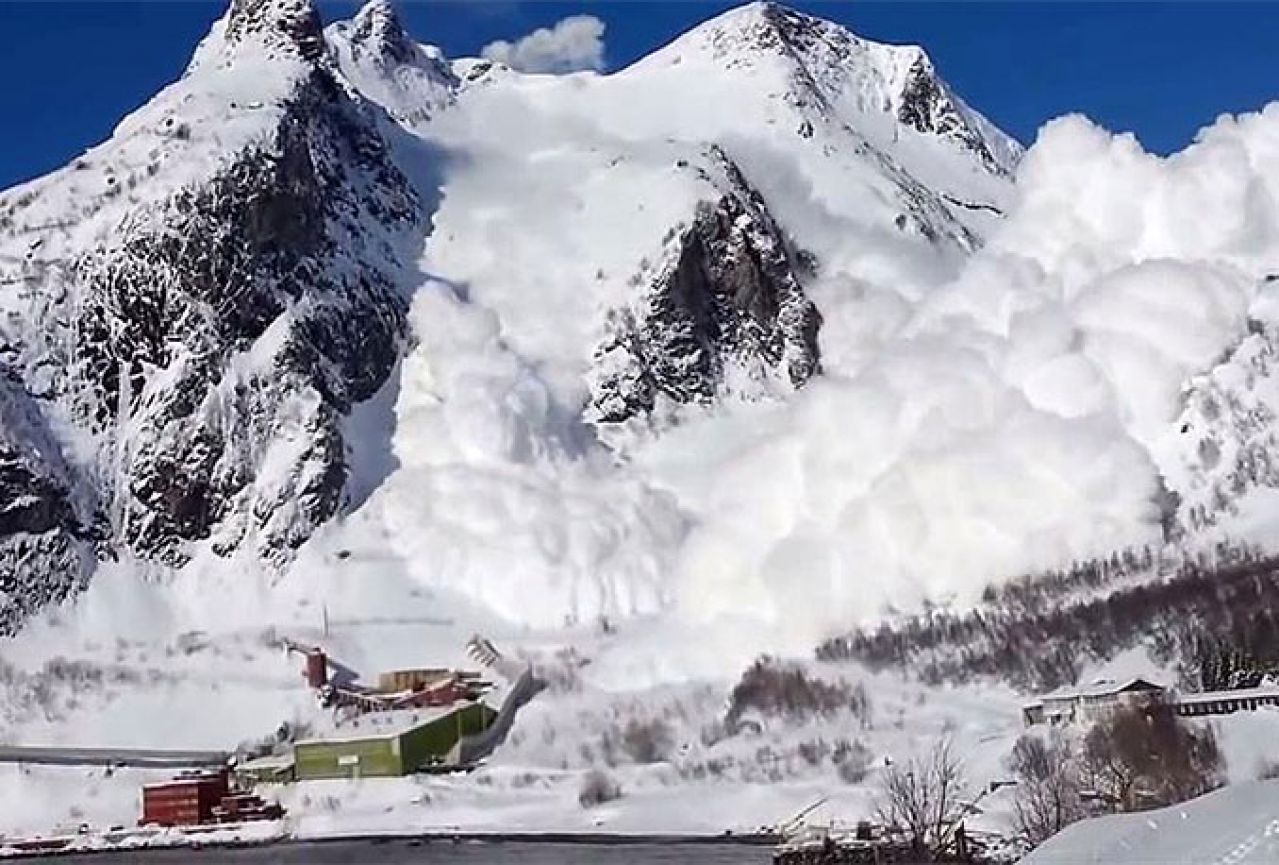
(204, 305)
(276, 25)
(840, 77)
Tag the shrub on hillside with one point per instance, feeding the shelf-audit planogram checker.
(597, 788)
(1148, 757)
(1049, 793)
(772, 687)
(852, 761)
(647, 741)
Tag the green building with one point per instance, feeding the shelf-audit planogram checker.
(386, 744)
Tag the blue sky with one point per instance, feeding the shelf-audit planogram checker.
(70, 70)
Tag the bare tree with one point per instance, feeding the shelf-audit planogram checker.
(1114, 758)
(597, 788)
(1147, 757)
(1049, 785)
(923, 796)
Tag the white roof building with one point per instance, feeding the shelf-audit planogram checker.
(1089, 702)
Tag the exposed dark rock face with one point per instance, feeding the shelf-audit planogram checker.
(824, 57)
(206, 349)
(289, 25)
(377, 56)
(45, 549)
(259, 308)
(927, 106)
(724, 305)
(377, 29)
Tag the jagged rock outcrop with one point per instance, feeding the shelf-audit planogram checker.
(258, 309)
(722, 312)
(376, 29)
(926, 104)
(836, 75)
(376, 55)
(289, 26)
(206, 337)
(45, 533)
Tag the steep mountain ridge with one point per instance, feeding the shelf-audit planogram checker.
(195, 303)
(724, 305)
(644, 269)
(382, 63)
(867, 84)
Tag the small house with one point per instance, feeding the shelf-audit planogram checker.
(1088, 703)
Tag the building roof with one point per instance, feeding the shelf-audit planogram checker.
(381, 725)
(1097, 688)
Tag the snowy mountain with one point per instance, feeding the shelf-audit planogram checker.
(193, 306)
(199, 301)
(722, 333)
(762, 338)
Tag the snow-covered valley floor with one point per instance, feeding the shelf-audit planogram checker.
(686, 771)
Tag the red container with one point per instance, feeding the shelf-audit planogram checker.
(317, 669)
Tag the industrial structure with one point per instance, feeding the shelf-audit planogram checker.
(378, 744)
(337, 686)
(411, 720)
(200, 798)
(391, 743)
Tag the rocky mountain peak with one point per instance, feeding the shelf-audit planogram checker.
(291, 26)
(833, 74)
(377, 29)
(766, 27)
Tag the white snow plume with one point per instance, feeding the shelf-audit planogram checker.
(569, 45)
(1024, 414)
(1015, 415)
(500, 495)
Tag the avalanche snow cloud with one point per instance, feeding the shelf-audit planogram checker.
(854, 349)
(574, 43)
(1012, 417)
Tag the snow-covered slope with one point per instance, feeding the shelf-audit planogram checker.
(715, 334)
(412, 82)
(666, 246)
(1239, 824)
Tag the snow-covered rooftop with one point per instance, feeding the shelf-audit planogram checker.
(1097, 688)
(372, 725)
